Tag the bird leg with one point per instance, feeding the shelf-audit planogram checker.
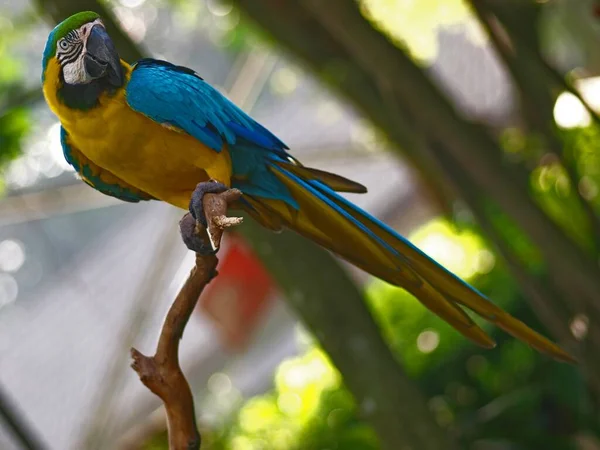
(193, 238)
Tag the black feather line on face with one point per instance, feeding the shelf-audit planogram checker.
(73, 50)
(72, 55)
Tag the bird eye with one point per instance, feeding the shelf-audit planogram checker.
(64, 45)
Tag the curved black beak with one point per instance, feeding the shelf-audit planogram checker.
(101, 58)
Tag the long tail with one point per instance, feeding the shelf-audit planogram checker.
(327, 218)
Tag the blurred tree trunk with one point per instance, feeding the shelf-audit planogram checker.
(449, 152)
(330, 305)
(17, 425)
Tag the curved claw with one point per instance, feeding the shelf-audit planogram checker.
(196, 206)
(193, 240)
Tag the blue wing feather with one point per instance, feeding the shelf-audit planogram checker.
(177, 96)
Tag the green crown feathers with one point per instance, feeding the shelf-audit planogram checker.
(62, 29)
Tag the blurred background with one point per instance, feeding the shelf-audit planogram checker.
(473, 125)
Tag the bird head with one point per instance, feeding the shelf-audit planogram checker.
(84, 51)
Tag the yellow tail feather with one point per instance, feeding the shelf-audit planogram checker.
(458, 292)
(437, 289)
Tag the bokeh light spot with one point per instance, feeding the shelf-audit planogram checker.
(12, 255)
(456, 250)
(485, 261)
(20, 174)
(579, 326)
(284, 81)
(364, 134)
(219, 8)
(428, 341)
(588, 188)
(9, 289)
(570, 113)
(444, 249)
(219, 384)
(132, 3)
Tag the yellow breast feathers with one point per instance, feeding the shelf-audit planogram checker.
(160, 160)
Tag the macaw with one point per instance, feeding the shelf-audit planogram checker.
(155, 130)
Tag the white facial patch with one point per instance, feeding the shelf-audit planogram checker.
(70, 52)
(74, 73)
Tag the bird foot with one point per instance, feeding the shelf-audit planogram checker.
(192, 239)
(202, 229)
(196, 202)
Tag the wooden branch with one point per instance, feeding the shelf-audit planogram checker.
(161, 373)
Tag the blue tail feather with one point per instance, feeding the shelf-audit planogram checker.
(325, 190)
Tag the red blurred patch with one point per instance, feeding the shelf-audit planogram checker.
(239, 296)
(596, 10)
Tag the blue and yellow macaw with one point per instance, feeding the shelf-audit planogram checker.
(155, 130)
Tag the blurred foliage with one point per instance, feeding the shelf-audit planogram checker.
(550, 183)
(225, 23)
(14, 117)
(416, 23)
(13, 127)
(413, 24)
(308, 409)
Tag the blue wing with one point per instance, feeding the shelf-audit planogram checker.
(179, 97)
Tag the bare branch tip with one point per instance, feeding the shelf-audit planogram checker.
(226, 222)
